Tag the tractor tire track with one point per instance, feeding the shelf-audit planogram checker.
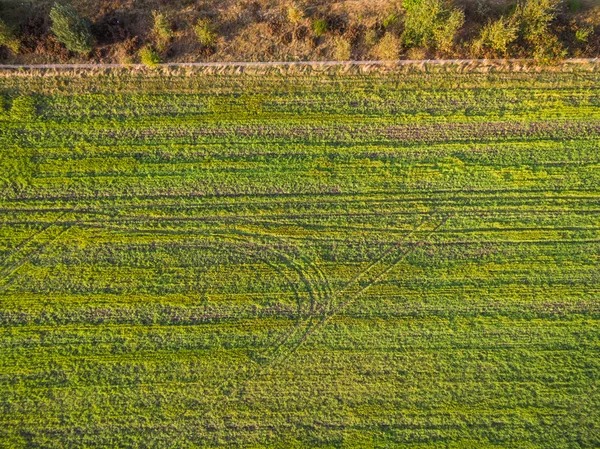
(323, 301)
(292, 339)
(316, 281)
(355, 287)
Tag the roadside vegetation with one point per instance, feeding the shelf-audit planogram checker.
(259, 30)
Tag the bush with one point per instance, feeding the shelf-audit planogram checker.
(416, 54)
(343, 49)
(583, 34)
(161, 30)
(126, 50)
(445, 34)
(496, 37)
(70, 29)
(371, 37)
(8, 37)
(319, 27)
(388, 48)
(295, 15)
(23, 108)
(205, 33)
(535, 17)
(149, 56)
(430, 23)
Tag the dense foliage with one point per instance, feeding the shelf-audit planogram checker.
(367, 260)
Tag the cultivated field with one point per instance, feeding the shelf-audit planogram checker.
(381, 258)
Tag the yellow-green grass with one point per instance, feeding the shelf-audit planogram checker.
(236, 260)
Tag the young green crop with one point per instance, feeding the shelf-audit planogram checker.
(375, 259)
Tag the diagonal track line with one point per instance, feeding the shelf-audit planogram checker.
(6, 274)
(31, 238)
(307, 323)
(7, 270)
(349, 293)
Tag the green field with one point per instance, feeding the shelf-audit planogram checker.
(346, 259)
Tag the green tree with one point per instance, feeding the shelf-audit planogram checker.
(390, 20)
(445, 34)
(161, 30)
(535, 18)
(70, 29)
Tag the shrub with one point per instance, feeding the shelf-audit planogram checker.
(8, 38)
(319, 27)
(126, 50)
(342, 50)
(430, 23)
(205, 33)
(583, 34)
(496, 37)
(445, 34)
(149, 56)
(416, 54)
(371, 37)
(295, 15)
(535, 17)
(23, 108)
(388, 47)
(390, 20)
(70, 29)
(161, 30)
